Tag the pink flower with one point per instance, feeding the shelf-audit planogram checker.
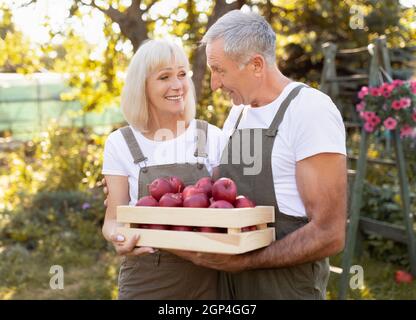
(375, 92)
(413, 87)
(397, 83)
(390, 123)
(386, 89)
(405, 103)
(414, 116)
(367, 115)
(396, 105)
(363, 92)
(406, 131)
(368, 127)
(374, 120)
(360, 106)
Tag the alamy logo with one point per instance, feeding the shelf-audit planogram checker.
(357, 17)
(245, 147)
(57, 279)
(357, 280)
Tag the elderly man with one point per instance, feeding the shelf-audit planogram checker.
(302, 165)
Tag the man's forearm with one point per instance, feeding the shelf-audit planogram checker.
(306, 244)
(303, 245)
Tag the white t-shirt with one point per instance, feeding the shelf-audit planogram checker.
(119, 161)
(312, 124)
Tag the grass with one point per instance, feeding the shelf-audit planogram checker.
(97, 279)
(379, 283)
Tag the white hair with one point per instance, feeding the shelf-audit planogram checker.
(244, 34)
(151, 55)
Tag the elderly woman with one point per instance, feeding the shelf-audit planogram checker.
(162, 139)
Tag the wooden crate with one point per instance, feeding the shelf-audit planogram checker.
(233, 242)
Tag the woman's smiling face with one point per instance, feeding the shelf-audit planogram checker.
(167, 87)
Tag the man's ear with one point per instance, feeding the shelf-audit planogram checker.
(258, 64)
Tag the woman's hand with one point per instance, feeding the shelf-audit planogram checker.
(118, 194)
(128, 247)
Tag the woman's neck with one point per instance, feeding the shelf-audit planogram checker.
(165, 127)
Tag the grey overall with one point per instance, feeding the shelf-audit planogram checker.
(305, 281)
(163, 275)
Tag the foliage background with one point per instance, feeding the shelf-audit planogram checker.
(51, 208)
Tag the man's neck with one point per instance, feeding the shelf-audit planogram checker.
(272, 87)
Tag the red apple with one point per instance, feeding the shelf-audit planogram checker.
(171, 200)
(209, 229)
(224, 189)
(159, 187)
(244, 202)
(177, 184)
(221, 204)
(199, 200)
(191, 190)
(158, 226)
(205, 183)
(147, 201)
(249, 228)
(403, 277)
(182, 228)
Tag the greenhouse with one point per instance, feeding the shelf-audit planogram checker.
(29, 103)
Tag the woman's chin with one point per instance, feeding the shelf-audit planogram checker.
(176, 111)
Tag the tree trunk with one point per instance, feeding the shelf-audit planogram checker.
(199, 61)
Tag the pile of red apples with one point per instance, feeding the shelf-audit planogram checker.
(205, 193)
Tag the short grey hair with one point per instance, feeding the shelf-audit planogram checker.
(244, 34)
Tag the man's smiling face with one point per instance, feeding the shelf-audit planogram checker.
(226, 74)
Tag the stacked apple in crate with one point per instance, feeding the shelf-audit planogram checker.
(205, 217)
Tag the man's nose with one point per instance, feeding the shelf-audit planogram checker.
(215, 82)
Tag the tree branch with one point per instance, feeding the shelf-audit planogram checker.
(27, 4)
(150, 5)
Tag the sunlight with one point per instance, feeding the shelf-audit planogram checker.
(31, 20)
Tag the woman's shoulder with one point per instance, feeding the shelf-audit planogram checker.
(115, 136)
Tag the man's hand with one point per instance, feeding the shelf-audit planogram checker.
(105, 190)
(222, 262)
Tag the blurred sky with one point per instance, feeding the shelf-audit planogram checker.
(30, 19)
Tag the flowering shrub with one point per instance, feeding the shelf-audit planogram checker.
(389, 106)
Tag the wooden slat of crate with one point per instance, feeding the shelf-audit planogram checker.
(201, 241)
(201, 217)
